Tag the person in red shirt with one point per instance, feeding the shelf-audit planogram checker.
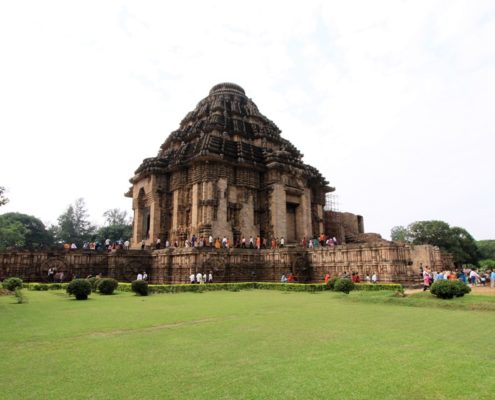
(327, 278)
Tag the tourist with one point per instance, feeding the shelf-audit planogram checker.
(473, 277)
(327, 278)
(126, 244)
(483, 279)
(158, 243)
(192, 278)
(243, 242)
(210, 277)
(251, 242)
(145, 276)
(142, 244)
(199, 278)
(492, 279)
(258, 242)
(282, 242)
(51, 273)
(291, 278)
(426, 281)
(73, 246)
(374, 278)
(139, 276)
(167, 244)
(210, 241)
(283, 279)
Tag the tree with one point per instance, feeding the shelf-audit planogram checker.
(487, 249)
(23, 231)
(115, 216)
(3, 200)
(400, 234)
(454, 240)
(73, 224)
(118, 225)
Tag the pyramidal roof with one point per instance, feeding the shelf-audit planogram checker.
(226, 126)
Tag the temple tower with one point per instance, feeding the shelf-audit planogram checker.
(226, 172)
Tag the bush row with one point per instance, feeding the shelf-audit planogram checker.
(181, 288)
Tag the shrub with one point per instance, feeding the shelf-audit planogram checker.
(20, 296)
(12, 283)
(461, 289)
(107, 285)
(344, 285)
(94, 283)
(140, 287)
(445, 289)
(331, 283)
(80, 288)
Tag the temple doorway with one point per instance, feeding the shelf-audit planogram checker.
(291, 222)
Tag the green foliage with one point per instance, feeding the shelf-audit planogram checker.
(3, 200)
(344, 285)
(107, 285)
(375, 287)
(454, 240)
(12, 283)
(94, 283)
(115, 216)
(140, 287)
(331, 283)
(487, 264)
(23, 231)
(20, 297)
(460, 289)
(446, 289)
(400, 234)
(74, 226)
(486, 249)
(80, 288)
(115, 232)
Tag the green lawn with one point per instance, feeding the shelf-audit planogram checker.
(244, 345)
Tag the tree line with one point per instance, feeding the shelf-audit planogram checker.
(453, 239)
(22, 231)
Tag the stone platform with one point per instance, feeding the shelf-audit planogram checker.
(392, 262)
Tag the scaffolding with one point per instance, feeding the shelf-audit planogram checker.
(333, 218)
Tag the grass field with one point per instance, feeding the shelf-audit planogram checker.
(245, 345)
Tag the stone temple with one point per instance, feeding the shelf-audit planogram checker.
(227, 171)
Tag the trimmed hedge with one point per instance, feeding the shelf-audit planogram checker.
(80, 288)
(107, 285)
(140, 287)
(12, 283)
(233, 287)
(344, 285)
(445, 289)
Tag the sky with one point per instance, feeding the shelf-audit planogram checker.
(393, 101)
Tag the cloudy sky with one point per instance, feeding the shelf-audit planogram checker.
(393, 101)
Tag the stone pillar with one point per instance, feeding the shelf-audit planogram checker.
(303, 215)
(278, 207)
(194, 208)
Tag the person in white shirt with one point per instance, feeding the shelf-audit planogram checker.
(192, 278)
(374, 278)
(210, 277)
(199, 277)
(139, 277)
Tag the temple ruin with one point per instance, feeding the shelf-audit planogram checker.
(226, 172)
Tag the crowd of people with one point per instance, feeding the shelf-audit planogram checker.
(107, 245)
(252, 242)
(466, 275)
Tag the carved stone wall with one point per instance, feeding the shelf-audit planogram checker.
(393, 262)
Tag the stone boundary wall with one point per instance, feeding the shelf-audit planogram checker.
(393, 262)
